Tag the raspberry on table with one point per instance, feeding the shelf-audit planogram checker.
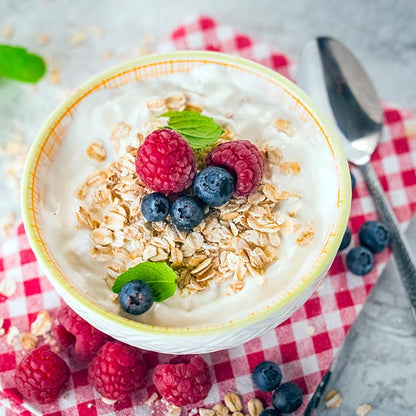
(242, 158)
(42, 375)
(165, 162)
(88, 339)
(64, 338)
(117, 370)
(183, 381)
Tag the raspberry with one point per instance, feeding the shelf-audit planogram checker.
(88, 340)
(242, 158)
(117, 370)
(183, 381)
(165, 162)
(41, 375)
(65, 338)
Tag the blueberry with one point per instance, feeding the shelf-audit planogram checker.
(360, 260)
(155, 207)
(287, 398)
(186, 213)
(267, 376)
(353, 181)
(135, 297)
(214, 186)
(374, 235)
(270, 412)
(346, 240)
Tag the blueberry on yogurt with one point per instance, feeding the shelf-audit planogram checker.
(214, 186)
(186, 213)
(135, 297)
(155, 207)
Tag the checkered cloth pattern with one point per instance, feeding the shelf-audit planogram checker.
(304, 346)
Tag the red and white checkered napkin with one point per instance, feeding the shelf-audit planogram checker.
(304, 345)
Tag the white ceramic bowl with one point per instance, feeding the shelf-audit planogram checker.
(164, 339)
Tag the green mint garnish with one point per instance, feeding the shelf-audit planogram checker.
(159, 276)
(17, 63)
(198, 130)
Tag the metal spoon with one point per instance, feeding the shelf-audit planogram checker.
(336, 81)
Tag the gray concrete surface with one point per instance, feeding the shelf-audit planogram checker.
(376, 364)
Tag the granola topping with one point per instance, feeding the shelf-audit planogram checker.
(249, 251)
(237, 240)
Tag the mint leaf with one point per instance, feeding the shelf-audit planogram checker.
(198, 130)
(17, 63)
(160, 277)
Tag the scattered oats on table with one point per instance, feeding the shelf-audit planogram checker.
(8, 31)
(255, 407)
(42, 324)
(333, 399)
(8, 286)
(363, 409)
(97, 30)
(233, 402)
(109, 54)
(77, 38)
(43, 38)
(55, 76)
(7, 223)
(310, 330)
(12, 334)
(29, 341)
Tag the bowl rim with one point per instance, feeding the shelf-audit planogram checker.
(63, 285)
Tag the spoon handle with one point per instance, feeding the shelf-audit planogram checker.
(399, 245)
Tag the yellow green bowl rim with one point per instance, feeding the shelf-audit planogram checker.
(343, 213)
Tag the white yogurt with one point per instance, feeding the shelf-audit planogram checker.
(235, 101)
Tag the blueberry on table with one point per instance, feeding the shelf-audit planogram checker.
(267, 376)
(135, 297)
(287, 398)
(360, 260)
(214, 186)
(270, 412)
(374, 235)
(353, 181)
(346, 240)
(155, 207)
(186, 213)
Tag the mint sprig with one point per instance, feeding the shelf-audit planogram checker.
(159, 276)
(19, 64)
(198, 130)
